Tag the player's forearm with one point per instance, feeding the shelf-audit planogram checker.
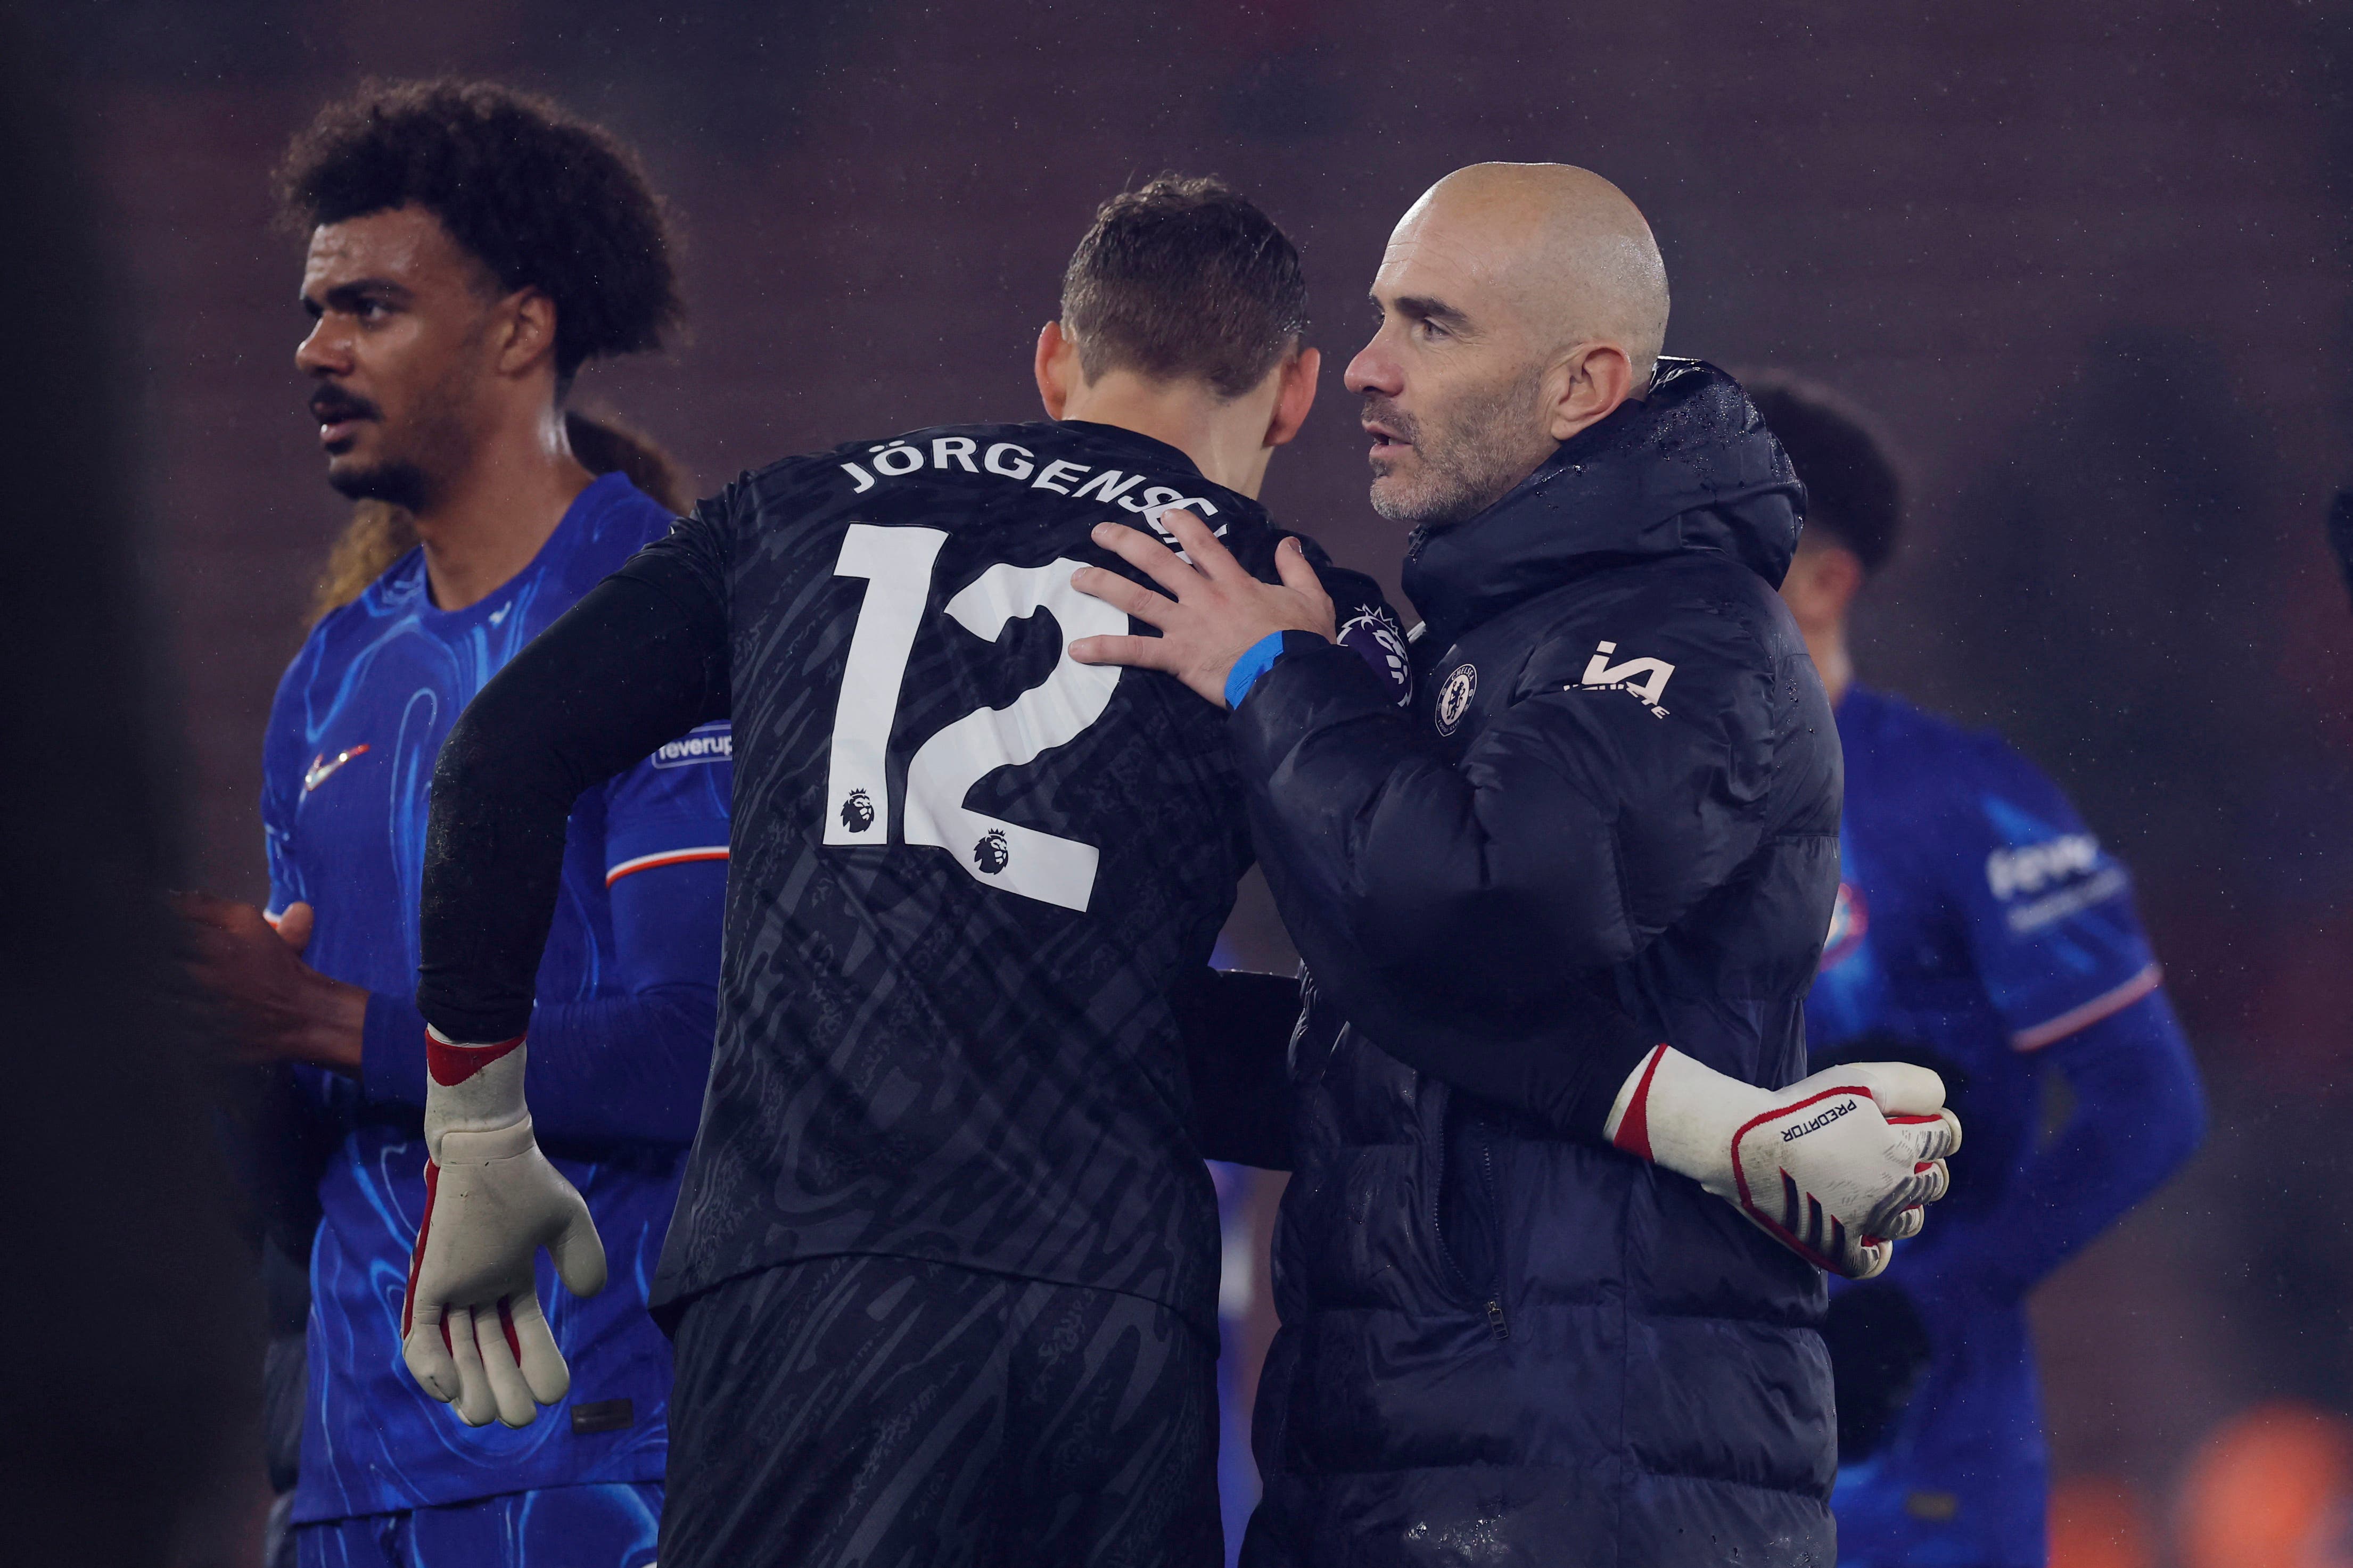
(610, 1070)
(627, 1067)
(628, 668)
(1476, 888)
(2138, 1114)
(313, 1022)
(623, 1069)
(1412, 914)
(1559, 1055)
(1566, 1071)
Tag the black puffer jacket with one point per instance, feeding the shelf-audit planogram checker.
(1503, 1342)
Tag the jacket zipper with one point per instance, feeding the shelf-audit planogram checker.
(1496, 1324)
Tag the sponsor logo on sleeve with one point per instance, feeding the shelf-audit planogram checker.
(1646, 678)
(2042, 883)
(704, 743)
(2029, 868)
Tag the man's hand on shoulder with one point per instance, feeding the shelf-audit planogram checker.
(1214, 612)
(270, 1005)
(1836, 1167)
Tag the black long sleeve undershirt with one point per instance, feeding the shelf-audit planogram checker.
(639, 661)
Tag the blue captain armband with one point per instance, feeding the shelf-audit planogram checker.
(1260, 657)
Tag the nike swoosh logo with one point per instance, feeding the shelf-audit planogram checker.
(322, 767)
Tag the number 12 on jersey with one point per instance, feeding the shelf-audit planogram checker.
(897, 566)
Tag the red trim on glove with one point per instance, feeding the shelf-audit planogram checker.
(1787, 1233)
(416, 1258)
(1634, 1127)
(506, 1321)
(453, 1065)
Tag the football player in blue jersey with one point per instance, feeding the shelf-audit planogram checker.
(469, 249)
(1982, 929)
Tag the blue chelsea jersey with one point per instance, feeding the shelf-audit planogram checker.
(1976, 921)
(348, 763)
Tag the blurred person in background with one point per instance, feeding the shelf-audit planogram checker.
(1980, 930)
(469, 249)
(128, 1410)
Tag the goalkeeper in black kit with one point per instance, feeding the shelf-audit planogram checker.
(943, 1278)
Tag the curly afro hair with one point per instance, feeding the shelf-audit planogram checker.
(541, 199)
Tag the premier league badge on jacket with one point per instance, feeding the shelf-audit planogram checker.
(1454, 697)
(1373, 632)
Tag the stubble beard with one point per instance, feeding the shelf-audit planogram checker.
(436, 443)
(399, 482)
(1469, 461)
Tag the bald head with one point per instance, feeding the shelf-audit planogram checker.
(1563, 246)
(1520, 303)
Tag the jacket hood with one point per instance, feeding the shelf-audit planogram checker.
(1691, 467)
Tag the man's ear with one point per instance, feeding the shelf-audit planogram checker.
(1057, 369)
(530, 327)
(1296, 394)
(1586, 387)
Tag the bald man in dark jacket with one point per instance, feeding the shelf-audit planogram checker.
(1550, 1269)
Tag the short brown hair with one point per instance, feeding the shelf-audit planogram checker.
(541, 199)
(1185, 279)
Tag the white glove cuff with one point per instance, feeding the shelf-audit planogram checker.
(1681, 1115)
(471, 1088)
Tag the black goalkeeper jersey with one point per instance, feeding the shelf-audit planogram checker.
(967, 871)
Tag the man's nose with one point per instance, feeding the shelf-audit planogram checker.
(1372, 370)
(321, 352)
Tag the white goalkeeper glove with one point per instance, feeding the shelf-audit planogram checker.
(473, 1334)
(1835, 1167)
